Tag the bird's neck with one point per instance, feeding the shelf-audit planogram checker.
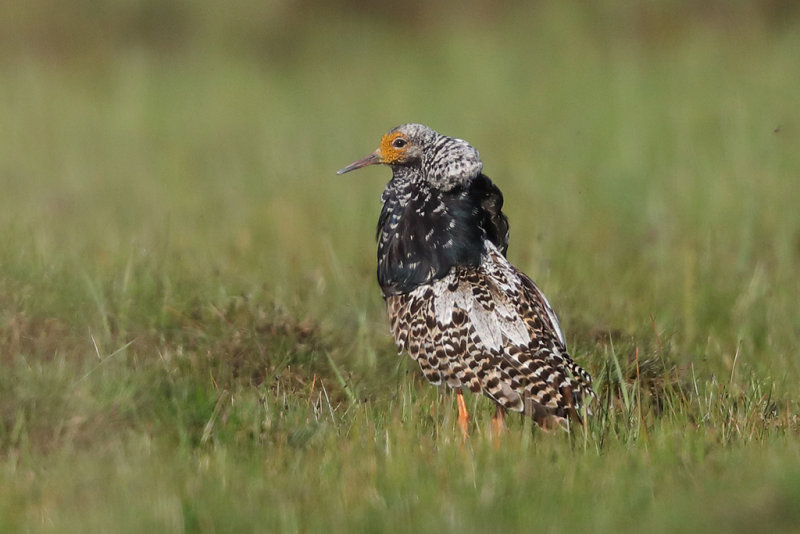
(424, 232)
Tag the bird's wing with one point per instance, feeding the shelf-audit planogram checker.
(491, 329)
(535, 296)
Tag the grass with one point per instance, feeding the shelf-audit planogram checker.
(191, 336)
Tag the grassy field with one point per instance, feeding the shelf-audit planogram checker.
(191, 335)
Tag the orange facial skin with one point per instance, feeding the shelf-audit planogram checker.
(390, 153)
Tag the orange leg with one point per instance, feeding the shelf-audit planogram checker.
(498, 424)
(463, 415)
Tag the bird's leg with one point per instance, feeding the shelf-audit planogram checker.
(498, 424)
(463, 415)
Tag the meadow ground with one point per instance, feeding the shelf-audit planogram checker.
(191, 335)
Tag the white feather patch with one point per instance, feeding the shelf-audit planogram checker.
(445, 300)
(486, 327)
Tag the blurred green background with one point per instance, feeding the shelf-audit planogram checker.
(181, 271)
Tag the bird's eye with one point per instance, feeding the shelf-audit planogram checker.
(399, 142)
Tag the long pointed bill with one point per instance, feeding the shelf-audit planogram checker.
(372, 159)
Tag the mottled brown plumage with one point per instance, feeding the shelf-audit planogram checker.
(457, 306)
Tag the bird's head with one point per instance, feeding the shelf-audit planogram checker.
(416, 149)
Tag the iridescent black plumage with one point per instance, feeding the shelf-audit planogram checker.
(424, 232)
(456, 305)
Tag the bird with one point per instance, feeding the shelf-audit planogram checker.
(456, 305)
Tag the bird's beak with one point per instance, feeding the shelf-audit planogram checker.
(372, 159)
